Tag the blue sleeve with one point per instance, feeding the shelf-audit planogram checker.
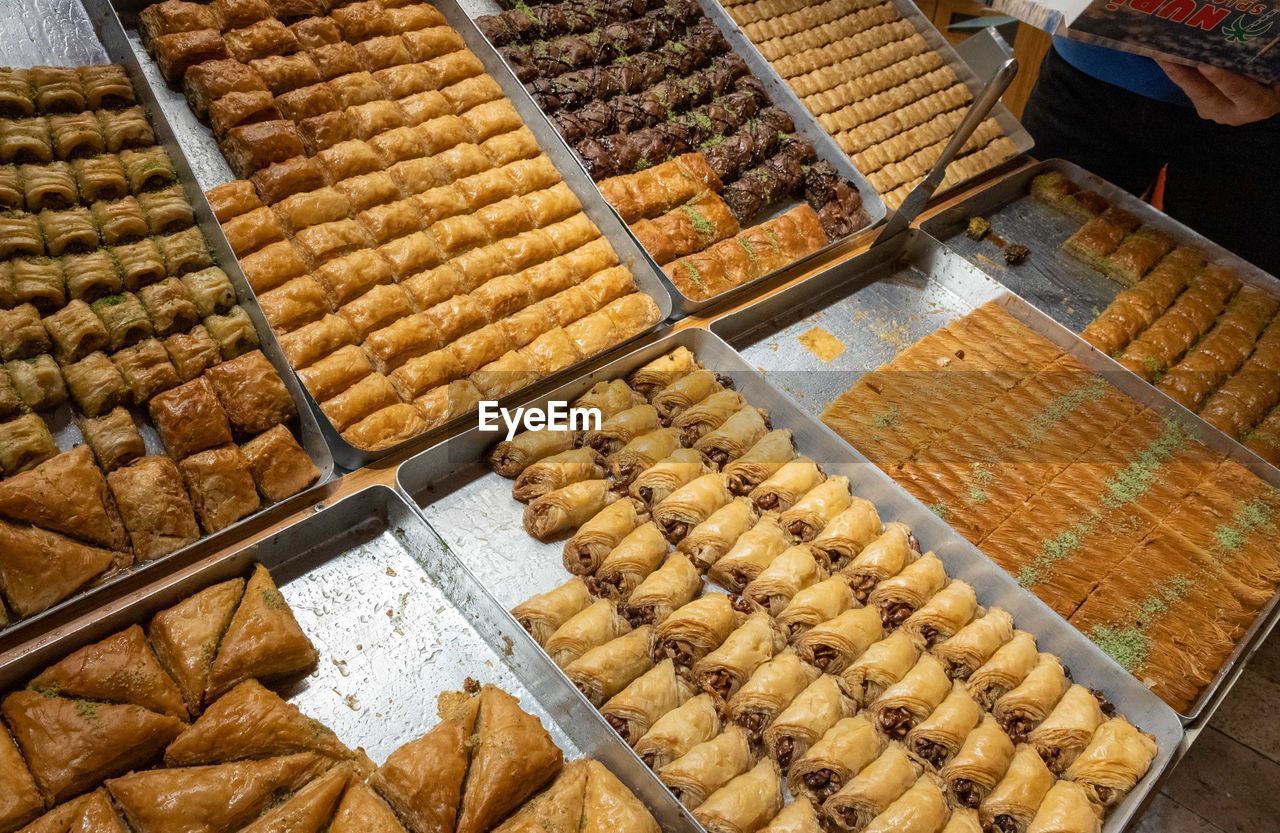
(1135, 73)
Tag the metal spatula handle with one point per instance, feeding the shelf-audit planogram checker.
(981, 107)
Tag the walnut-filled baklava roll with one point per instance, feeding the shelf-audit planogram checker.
(1064, 734)
(847, 534)
(557, 471)
(815, 710)
(913, 698)
(1025, 706)
(734, 437)
(708, 766)
(1116, 758)
(921, 809)
(695, 721)
(794, 569)
(871, 791)
(609, 398)
(1013, 803)
(723, 671)
(746, 803)
(771, 688)
(641, 453)
(841, 753)
(800, 816)
(637, 555)
(592, 626)
(621, 428)
(698, 420)
(696, 629)
(1067, 809)
(513, 456)
(634, 710)
(543, 614)
(780, 490)
(672, 585)
(1008, 666)
(656, 483)
(684, 392)
(566, 508)
(715, 536)
(880, 666)
(662, 371)
(596, 538)
(690, 505)
(953, 607)
(815, 604)
(834, 645)
(974, 644)
(770, 453)
(884, 557)
(937, 738)
(754, 550)
(816, 508)
(606, 670)
(902, 595)
(982, 761)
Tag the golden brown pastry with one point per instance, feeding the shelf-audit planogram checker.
(902, 595)
(566, 508)
(656, 483)
(982, 761)
(1008, 666)
(712, 538)
(556, 472)
(723, 671)
(251, 721)
(815, 710)
(880, 666)
(603, 530)
(708, 766)
(816, 508)
(638, 554)
(847, 534)
(1117, 757)
(770, 453)
(746, 803)
(1014, 801)
(873, 790)
(118, 669)
(786, 485)
(41, 568)
(791, 571)
(1066, 809)
(815, 604)
(884, 557)
(20, 801)
(971, 646)
(543, 614)
(605, 670)
(362, 811)
(939, 736)
(222, 797)
(770, 689)
(263, 640)
(609, 806)
(913, 698)
(673, 585)
(696, 629)
(309, 809)
(921, 809)
(752, 552)
(690, 505)
(678, 731)
(634, 710)
(841, 753)
(185, 637)
(72, 745)
(1024, 707)
(68, 494)
(834, 645)
(1064, 734)
(596, 624)
(953, 607)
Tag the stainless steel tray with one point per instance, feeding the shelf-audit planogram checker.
(881, 302)
(198, 140)
(1009, 124)
(473, 511)
(396, 619)
(806, 125)
(65, 33)
(1069, 290)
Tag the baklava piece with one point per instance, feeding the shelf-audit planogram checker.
(221, 486)
(155, 507)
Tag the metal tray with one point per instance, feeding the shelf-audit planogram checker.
(806, 125)
(396, 619)
(1009, 124)
(881, 302)
(212, 168)
(65, 33)
(472, 509)
(1066, 288)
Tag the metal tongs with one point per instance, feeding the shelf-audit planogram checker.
(922, 193)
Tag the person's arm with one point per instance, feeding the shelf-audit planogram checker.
(1223, 96)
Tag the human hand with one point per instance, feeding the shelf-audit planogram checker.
(1222, 96)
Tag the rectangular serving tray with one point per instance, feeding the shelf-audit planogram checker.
(212, 170)
(806, 125)
(396, 619)
(65, 33)
(886, 299)
(472, 510)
